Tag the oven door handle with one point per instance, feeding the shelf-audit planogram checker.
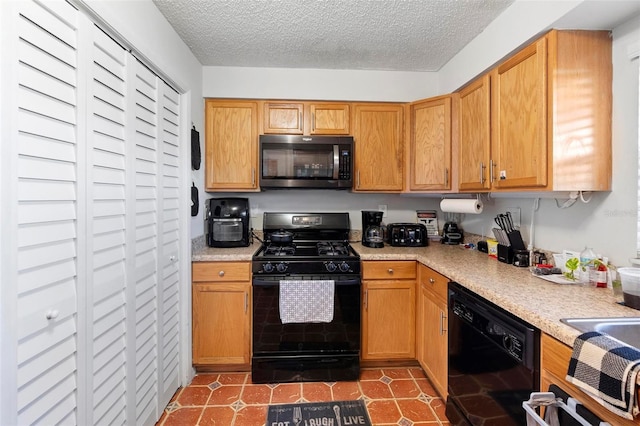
(272, 282)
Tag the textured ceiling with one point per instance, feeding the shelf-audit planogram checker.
(402, 35)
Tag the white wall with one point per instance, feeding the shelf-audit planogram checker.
(316, 84)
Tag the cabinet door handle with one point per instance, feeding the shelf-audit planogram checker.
(446, 177)
(366, 300)
(432, 281)
(390, 271)
(246, 302)
(221, 274)
(253, 176)
(492, 166)
(443, 318)
(482, 167)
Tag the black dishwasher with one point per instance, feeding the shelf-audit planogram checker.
(494, 362)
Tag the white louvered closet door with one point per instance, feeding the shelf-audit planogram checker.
(107, 275)
(144, 318)
(48, 276)
(94, 164)
(169, 326)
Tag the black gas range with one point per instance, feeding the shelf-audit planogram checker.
(306, 300)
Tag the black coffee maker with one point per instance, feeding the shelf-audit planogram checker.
(372, 231)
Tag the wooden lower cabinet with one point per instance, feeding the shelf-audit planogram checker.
(388, 310)
(431, 327)
(221, 295)
(554, 363)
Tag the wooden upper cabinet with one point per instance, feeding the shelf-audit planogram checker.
(474, 135)
(283, 118)
(329, 119)
(378, 134)
(519, 144)
(551, 109)
(308, 118)
(231, 145)
(430, 145)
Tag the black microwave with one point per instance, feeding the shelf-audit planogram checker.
(309, 162)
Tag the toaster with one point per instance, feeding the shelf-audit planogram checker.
(407, 235)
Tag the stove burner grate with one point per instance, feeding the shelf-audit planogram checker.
(328, 248)
(280, 250)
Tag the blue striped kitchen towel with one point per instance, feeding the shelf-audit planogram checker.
(607, 370)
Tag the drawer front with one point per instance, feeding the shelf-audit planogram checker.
(221, 271)
(385, 270)
(433, 282)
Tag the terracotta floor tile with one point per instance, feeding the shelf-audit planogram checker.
(426, 387)
(225, 395)
(204, 379)
(371, 374)
(314, 392)
(397, 373)
(255, 415)
(233, 378)
(286, 393)
(417, 373)
(438, 405)
(404, 388)
(256, 394)
(217, 416)
(383, 412)
(376, 390)
(194, 395)
(346, 391)
(183, 416)
(416, 410)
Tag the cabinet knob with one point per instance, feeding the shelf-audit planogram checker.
(432, 281)
(221, 274)
(390, 271)
(52, 314)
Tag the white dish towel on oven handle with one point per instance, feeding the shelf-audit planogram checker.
(304, 301)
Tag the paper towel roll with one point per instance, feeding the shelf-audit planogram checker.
(456, 205)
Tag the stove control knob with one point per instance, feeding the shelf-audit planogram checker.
(267, 267)
(331, 267)
(281, 267)
(344, 267)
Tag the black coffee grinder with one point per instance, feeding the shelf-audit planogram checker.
(372, 232)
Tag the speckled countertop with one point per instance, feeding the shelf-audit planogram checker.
(537, 301)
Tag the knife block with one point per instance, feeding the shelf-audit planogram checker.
(505, 254)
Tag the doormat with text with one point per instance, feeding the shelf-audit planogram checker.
(334, 413)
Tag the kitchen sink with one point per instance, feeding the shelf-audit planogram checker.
(627, 330)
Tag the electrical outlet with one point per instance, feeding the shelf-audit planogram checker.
(383, 209)
(515, 215)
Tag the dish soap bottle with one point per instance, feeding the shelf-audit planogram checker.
(586, 264)
(600, 274)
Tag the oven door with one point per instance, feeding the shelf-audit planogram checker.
(305, 351)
